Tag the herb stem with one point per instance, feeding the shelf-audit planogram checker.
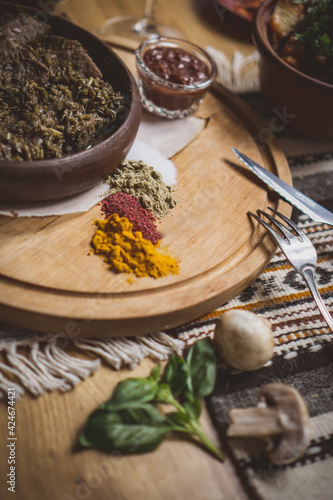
(205, 441)
(179, 407)
(168, 398)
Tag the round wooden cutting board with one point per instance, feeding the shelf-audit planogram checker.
(49, 282)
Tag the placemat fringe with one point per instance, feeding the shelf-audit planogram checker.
(37, 363)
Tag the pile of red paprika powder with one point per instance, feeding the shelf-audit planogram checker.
(126, 205)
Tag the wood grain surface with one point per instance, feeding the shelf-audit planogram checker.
(48, 467)
(48, 276)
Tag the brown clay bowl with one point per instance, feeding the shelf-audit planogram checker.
(288, 90)
(41, 180)
(47, 5)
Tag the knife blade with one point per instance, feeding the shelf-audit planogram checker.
(296, 198)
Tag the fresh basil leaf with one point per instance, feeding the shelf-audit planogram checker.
(176, 375)
(177, 420)
(84, 441)
(183, 418)
(144, 414)
(106, 431)
(164, 394)
(201, 361)
(131, 393)
(193, 408)
(90, 436)
(155, 373)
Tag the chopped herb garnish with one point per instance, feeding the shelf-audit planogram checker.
(315, 32)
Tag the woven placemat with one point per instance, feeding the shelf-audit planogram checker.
(303, 354)
(304, 359)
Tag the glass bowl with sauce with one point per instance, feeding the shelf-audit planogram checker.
(173, 76)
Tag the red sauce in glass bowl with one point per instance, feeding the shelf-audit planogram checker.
(173, 76)
(176, 65)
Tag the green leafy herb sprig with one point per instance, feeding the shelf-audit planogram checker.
(315, 31)
(131, 422)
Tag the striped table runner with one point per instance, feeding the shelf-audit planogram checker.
(304, 350)
(304, 359)
(303, 354)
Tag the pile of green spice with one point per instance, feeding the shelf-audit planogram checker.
(126, 205)
(144, 183)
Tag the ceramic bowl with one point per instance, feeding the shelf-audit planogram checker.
(41, 180)
(305, 104)
(47, 5)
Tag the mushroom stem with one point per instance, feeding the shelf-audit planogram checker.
(281, 419)
(256, 422)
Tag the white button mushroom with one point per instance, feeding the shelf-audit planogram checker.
(243, 339)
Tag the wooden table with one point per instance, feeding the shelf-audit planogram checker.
(48, 466)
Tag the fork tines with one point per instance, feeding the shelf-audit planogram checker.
(300, 252)
(288, 234)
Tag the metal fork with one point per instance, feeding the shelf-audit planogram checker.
(300, 252)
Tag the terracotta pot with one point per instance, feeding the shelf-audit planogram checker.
(41, 180)
(305, 103)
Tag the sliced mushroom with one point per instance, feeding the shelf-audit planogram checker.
(281, 418)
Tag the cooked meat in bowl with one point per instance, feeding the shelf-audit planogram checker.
(53, 99)
(69, 107)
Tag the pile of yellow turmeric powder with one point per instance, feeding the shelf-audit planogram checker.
(128, 252)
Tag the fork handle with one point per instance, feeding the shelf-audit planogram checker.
(309, 276)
